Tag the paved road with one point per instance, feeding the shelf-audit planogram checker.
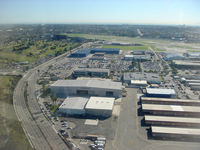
(38, 130)
(130, 135)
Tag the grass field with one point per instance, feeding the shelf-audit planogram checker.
(193, 50)
(12, 136)
(127, 47)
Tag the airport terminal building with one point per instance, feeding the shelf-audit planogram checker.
(87, 87)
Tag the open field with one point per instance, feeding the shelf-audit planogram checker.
(11, 133)
(127, 47)
(158, 45)
(32, 51)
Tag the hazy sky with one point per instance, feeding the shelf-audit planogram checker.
(101, 11)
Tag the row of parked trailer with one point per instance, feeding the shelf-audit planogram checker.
(172, 118)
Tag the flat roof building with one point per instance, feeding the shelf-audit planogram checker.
(171, 110)
(87, 87)
(174, 56)
(105, 50)
(91, 72)
(81, 53)
(73, 106)
(138, 83)
(172, 121)
(158, 92)
(187, 64)
(151, 78)
(169, 101)
(100, 106)
(175, 133)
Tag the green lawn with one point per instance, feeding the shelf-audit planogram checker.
(127, 47)
(193, 50)
(16, 139)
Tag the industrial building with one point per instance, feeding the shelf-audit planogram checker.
(174, 56)
(73, 106)
(140, 52)
(171, 110)
(192, 55)
(187, 64)
(172, 121)
(105, 50)
(87, 87)
(169, 101)
(91, 72)
(138, 84)
(151, 78)
(81, 53)
(100, 106)
(137, 57)
(158, 92)
(128, 57)
(175, 132)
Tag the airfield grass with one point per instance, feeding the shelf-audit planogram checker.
(127, 47)
(193, 50)
(15, 139)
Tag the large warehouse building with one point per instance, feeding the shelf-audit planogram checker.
(169, 101)
(105, 50)
(73, 106)
(91, 72)
(171, 110)
(151, 78)
(187, 64)
(175, 133)
(81, 53)
(158, 92)
(93, 106)
(172, 121)
(87, 87)
(100, 106)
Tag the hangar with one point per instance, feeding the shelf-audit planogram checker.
(100, 106)
(172, 121)
(87, 87)
(169, 101)
(158, 92)
(175, 132)
(171, 110)
(73, 106)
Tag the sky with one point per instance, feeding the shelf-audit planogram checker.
(170, 12)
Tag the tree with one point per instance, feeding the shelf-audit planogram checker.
(53, 98)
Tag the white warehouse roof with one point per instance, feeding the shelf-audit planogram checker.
(138, 82)
(103, 84)
(74, 103)
(160, 91)
(175, 130)
(105, 103)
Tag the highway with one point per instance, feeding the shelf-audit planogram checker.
(38, 130)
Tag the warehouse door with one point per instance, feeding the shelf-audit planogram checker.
(82, 92)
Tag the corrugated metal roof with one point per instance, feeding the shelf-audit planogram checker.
(175, 108)
(105, 103)
(74, 103)
(172, 130)
(160, 91)
(172, 119)
(105, 84)
(170, 100)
